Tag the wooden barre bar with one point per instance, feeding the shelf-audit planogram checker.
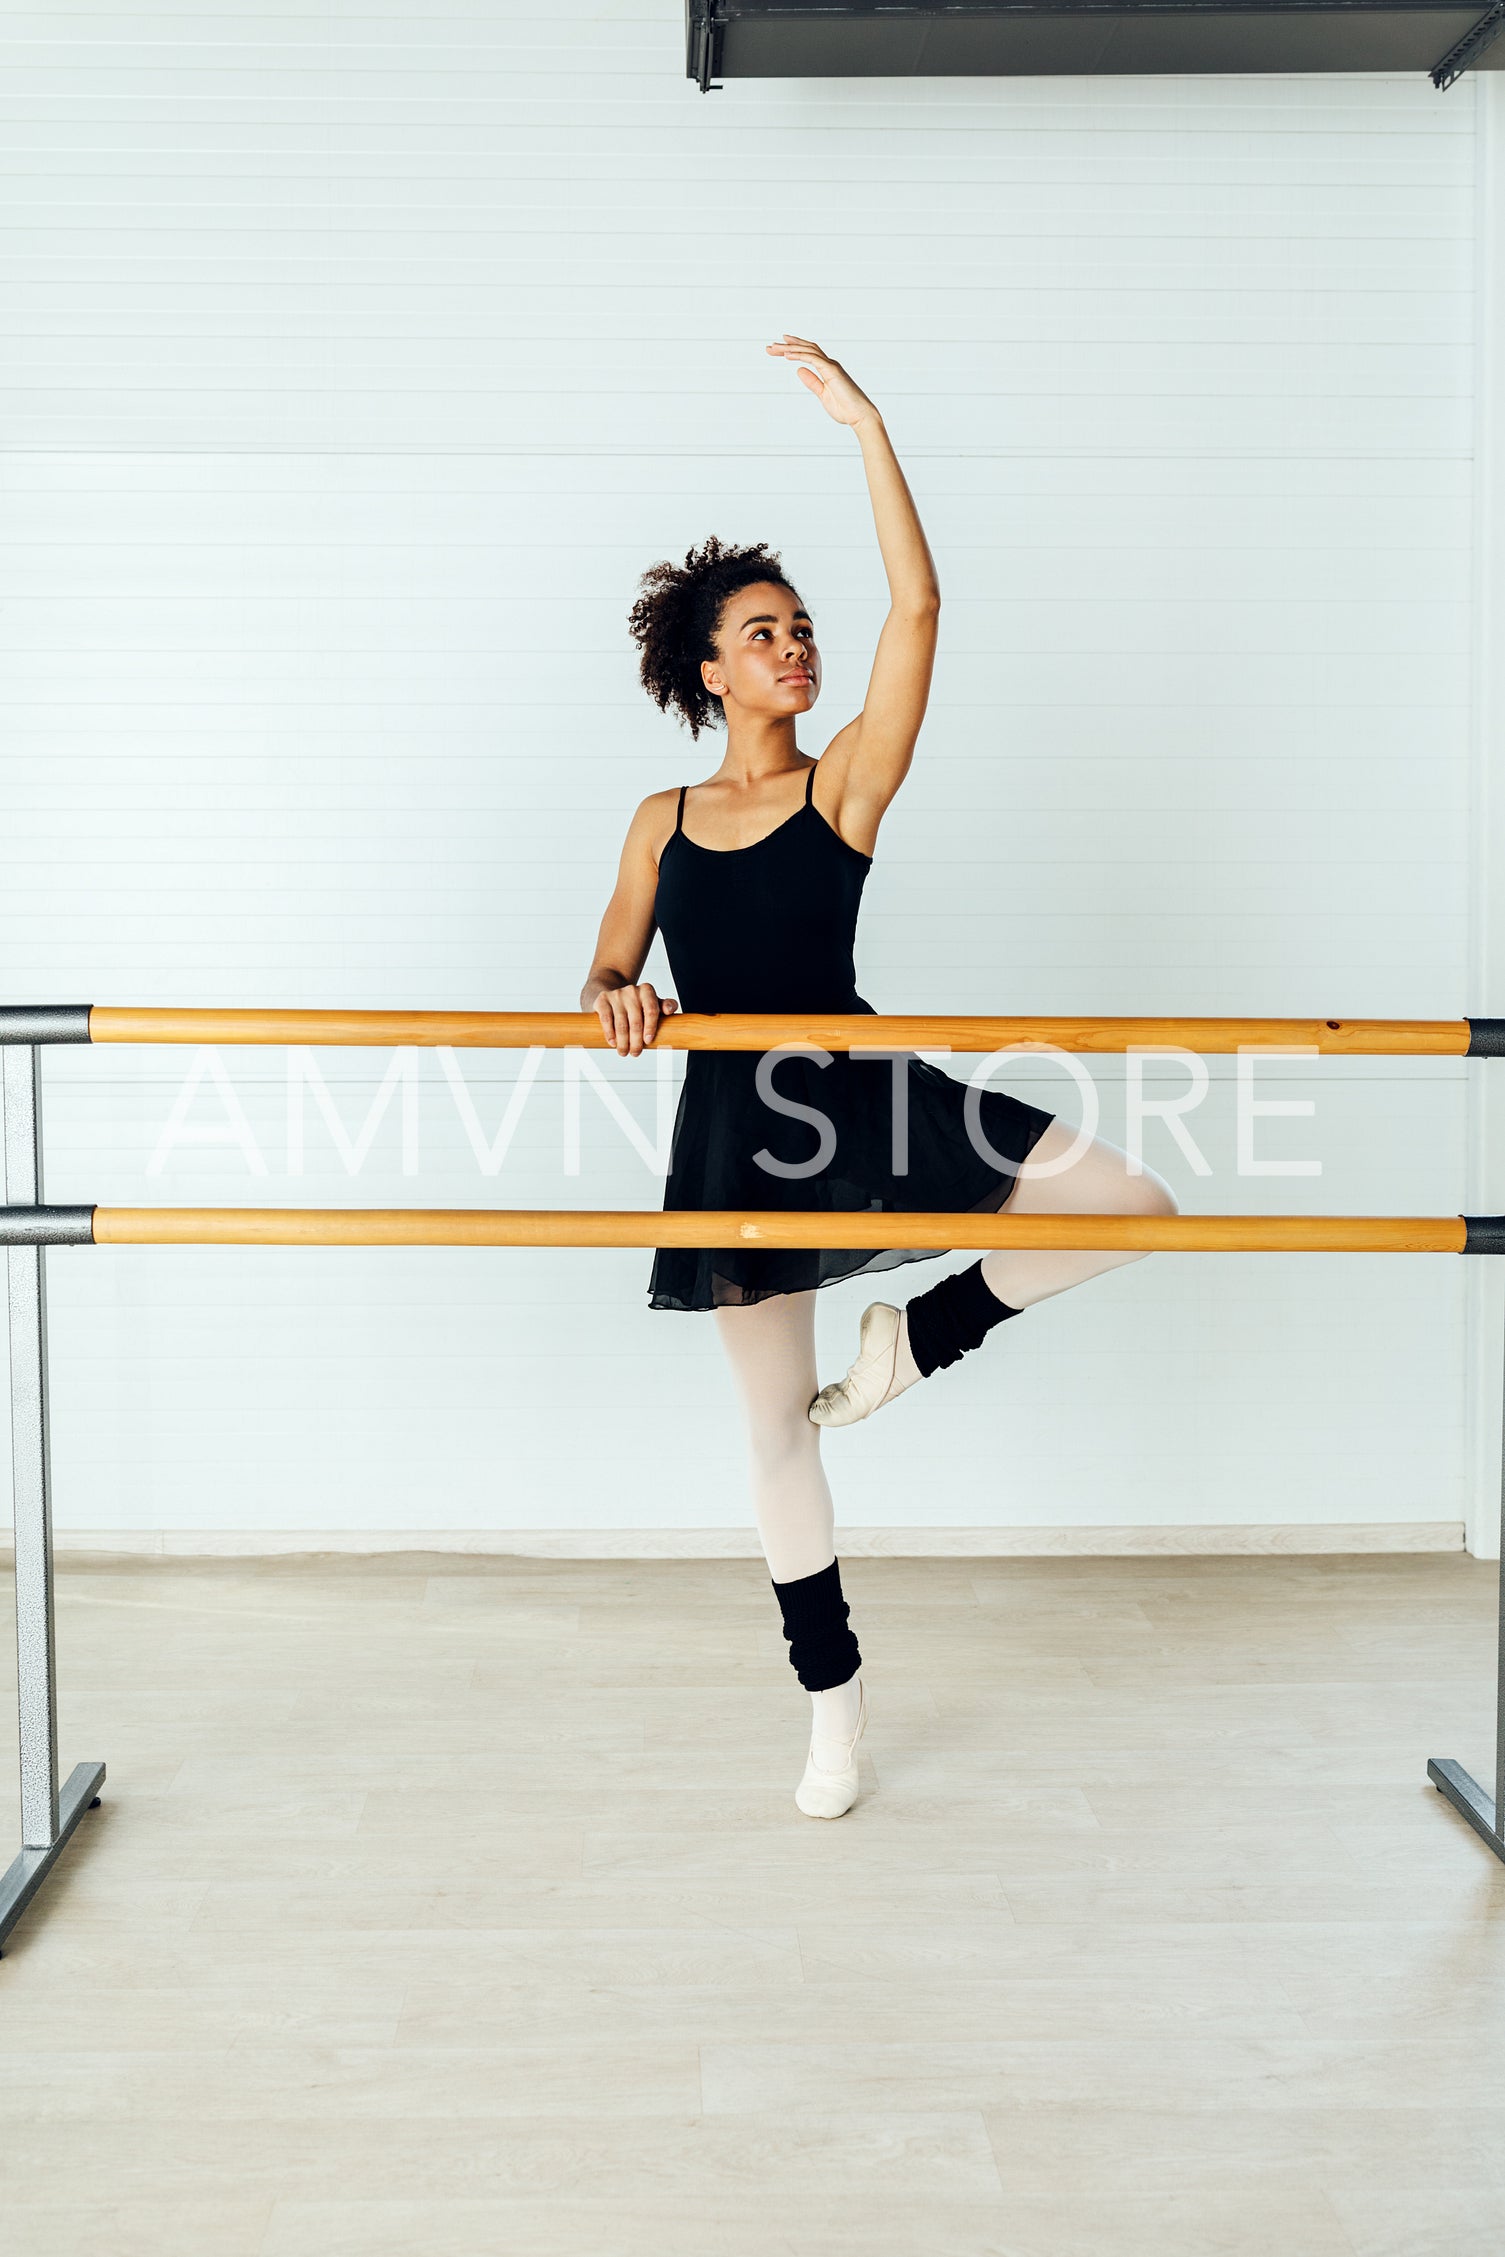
(461, 1226)
(690, 1030)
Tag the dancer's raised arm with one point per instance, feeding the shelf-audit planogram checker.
(867, 762)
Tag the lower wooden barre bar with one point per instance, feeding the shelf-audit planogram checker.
(461, 1226)
(729, 1030)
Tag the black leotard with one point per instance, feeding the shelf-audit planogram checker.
(770, 927)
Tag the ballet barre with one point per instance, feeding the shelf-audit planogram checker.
(729, 1030)
(779, 1228)
(52, 1808)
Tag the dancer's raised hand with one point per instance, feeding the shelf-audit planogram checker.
(842, 399)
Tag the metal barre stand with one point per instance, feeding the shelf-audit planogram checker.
(1485, 1813)
(49, 1813)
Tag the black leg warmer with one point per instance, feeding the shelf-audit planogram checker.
(821, 1647)
(952, 1317)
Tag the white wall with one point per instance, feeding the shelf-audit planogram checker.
(359, 360)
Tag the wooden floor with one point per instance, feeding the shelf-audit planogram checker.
(446, 1905)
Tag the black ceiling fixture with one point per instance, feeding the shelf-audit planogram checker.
(1084, 38)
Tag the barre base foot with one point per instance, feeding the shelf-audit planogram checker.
(1468, 1799)
(20, 1883)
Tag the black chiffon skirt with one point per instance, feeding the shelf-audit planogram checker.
(733, 1149)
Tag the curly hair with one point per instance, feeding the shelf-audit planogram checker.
(676, 616)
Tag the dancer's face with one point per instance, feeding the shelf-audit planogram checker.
(766, 661)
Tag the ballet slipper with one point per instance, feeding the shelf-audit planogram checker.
(873, 1379)
(828, 1791)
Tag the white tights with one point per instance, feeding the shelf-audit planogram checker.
(771, 1348)
(1097, 1182)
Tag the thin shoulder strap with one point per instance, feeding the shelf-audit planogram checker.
(810, 783)
(679, 820)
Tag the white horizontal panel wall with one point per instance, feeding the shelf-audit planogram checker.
(355, 363)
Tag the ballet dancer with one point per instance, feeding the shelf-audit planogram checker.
(755, 884)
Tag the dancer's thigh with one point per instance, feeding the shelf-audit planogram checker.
(1097, 1182)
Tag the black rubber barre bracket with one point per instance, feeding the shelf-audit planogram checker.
(44, 1022)
(46, 1226)
(1486, 1038)
(1484, 1234)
